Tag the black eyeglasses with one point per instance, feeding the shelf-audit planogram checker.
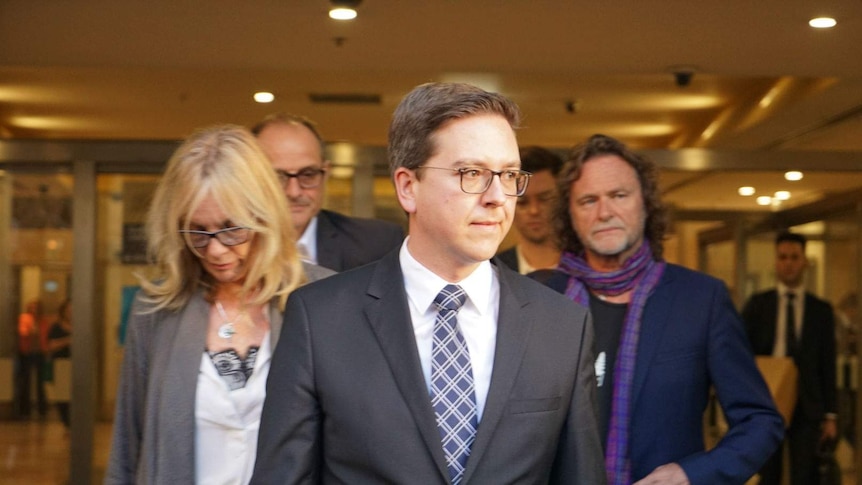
(308, 178)
(229, 236)
(475, 180)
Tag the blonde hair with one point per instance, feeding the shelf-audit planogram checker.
(226, 163)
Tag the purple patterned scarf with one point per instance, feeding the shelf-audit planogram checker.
(641, 273)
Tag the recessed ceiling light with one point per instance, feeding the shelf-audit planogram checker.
(782, 195)
(264, 97)
(342, 13)
(745, 191)
(764, 200)
(822, 22)
(793, 175)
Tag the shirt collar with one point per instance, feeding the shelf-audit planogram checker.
(309, 241)
(783, 290)
(422, 285)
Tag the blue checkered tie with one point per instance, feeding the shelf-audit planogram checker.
(452, 383)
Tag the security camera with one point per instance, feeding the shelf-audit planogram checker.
(683, 77)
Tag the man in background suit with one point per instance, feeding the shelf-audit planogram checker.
(789, 321)
(329, 239)
(665, 334)
(378, 379)
(537, 246)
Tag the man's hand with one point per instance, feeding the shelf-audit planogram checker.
(670, 474)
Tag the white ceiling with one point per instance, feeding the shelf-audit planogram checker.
(763, 79)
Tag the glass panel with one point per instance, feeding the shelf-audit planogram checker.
(35, 269)
(841, 263)
(123, 201)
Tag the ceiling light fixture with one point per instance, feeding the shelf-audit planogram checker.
(782, 195)
(343, 9)
(264, 97)
(746, 191)
(793, 175)
(764, 200)
(822, 22)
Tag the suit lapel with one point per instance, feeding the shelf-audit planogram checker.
(513, 330)
(809, 326)
(328, 254)
(771, 320)
(653, 323)
(389, 317)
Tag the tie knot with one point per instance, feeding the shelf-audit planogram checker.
(451, 297)
(790, 296)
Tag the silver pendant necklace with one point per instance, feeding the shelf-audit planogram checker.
(226, 330)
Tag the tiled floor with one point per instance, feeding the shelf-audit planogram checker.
(36, 452)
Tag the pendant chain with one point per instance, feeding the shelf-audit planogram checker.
(227, 329)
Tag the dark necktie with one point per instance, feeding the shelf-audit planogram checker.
(452, 394)
(790, 322)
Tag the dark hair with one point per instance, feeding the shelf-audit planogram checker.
(787, 236)
(536, 159)
(647, 172)
(289, 119)
(428, 107)
(61, 310)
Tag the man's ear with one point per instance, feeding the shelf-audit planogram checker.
(405, 188)
(327, 166)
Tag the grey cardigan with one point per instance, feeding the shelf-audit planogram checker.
(154, 422)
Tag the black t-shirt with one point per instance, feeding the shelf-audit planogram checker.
(608, 321)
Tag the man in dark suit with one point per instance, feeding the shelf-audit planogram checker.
(537, 247)
(382, 377)
(789, 321)
(664, 334)
(326, 238)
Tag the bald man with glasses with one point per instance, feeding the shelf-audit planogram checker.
(326, 238)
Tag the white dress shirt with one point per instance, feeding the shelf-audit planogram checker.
(227, 422)
(477, 319)
(307, 243)
(780, 348)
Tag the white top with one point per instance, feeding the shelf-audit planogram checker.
(227, 422)
(477, 319)
(780, 348)
(307, 243)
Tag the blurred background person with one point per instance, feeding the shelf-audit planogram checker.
(60, 347)
(336, 241)
(202, 331)
(788, 321)
(666, 336)
(31, 358)
(537, 246)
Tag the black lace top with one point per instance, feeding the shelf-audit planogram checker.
(232, 368)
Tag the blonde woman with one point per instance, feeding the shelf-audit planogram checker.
(202, 331)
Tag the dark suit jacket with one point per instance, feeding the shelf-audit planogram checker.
(816, 359)
(510, 258)
(347, 401)
(348, 242)
(691, 339)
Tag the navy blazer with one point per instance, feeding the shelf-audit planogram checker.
(816, 359)
(692, 339)
(348, 242)
(347, 401)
